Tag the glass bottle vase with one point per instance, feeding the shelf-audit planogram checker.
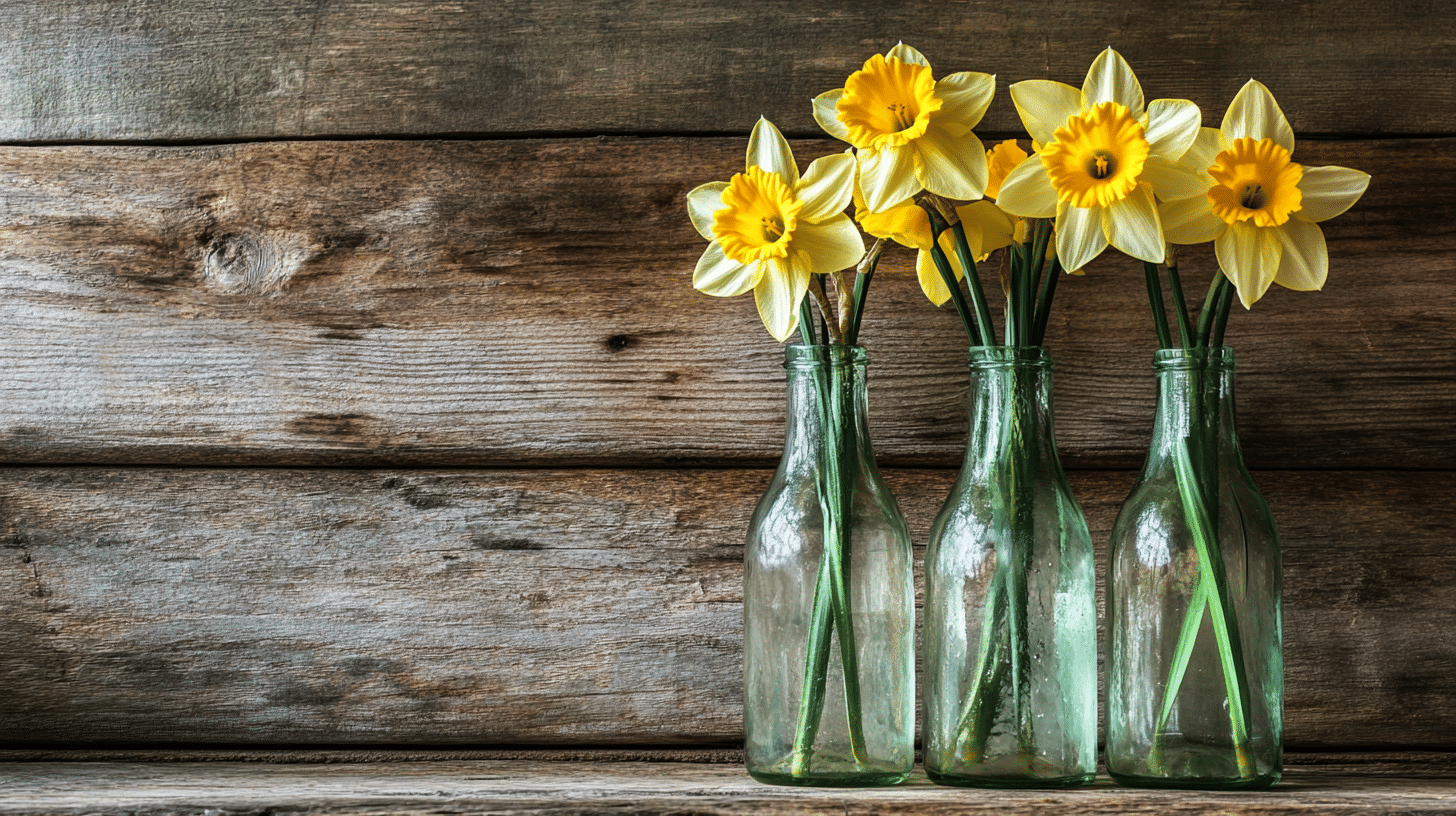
(1010, 597)
(828, 598)
(1194, 667)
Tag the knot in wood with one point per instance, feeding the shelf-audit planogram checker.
(252, 264)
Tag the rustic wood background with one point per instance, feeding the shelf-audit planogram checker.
(356, 392)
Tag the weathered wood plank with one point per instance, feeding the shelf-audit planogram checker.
(647, 788)
(204, 69)
(493, 303)
(268, 607)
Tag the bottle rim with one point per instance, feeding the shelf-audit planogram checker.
(1180, 359)
(996, 357)
(808, 356)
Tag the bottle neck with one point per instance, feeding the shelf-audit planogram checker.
(1195, 400)
(1009, 403)
(827, 396)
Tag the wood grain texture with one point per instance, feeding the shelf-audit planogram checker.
(139, 789)
(211, 70)
(500, 303)
(288, 607)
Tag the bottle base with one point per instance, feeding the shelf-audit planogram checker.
(845, 779)
(1261, 782)
(1009, 782)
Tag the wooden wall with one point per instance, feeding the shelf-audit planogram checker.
(355, 391)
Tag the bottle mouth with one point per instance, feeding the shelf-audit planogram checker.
(984, 357)
(800, 356)
(1179, 359)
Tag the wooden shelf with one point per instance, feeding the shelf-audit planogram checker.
(602, 782)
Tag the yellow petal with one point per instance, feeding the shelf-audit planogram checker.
(1255, 115)
(778, 294)
(1110, 79)
(1329, 191)
(931, 283)
(887, 176)
(827, 247)
(827, 187)
(1132, 225)
(1079, 235)
(1028, 191)
(826, 113)
(965, 97)
(1190, 220)
(1172, 126)
(987, 227)
(718, 275)
(1306, 262)
(1249, 257)
(703, 201)
(1044, 106)
(906, 225)
(905, 53)
(768, 150)
(1173, 181)
(949, 166)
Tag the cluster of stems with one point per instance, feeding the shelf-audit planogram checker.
(1196, 467)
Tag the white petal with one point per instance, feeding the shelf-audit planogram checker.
(1044, 106)
(827, 187)
(1172, 126)
(778, 294)
(1110, 79)
(1190, 220)
(1027, 190)
(1249, 257)
(1079, 235)
(1132, 225)
(1204, 150)
(721, 276)
(1255, 115)
(949, 166)
(828, 247)
(768, 150)
(964, 99)
(1306, 261)
(1329, 191)
(887, 177)
(905, 53)
(1173, 181)
(703, 201)
(826, 113)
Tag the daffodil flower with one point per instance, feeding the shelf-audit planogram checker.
(1260, 209)
(910, 132)
(1104, 161)
(771, 229)
(907, 224)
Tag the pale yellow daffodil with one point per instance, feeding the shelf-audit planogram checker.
(770, 229)
(1104, 160)
(910, 132)
(1260, 209)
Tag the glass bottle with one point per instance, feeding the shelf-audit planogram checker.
(1194, 668)
(828, 598)
(1010, 597)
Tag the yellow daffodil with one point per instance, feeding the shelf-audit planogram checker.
(1104, 159)
(907, 224)
(770, 229)
(910, 132)
(1260, 209)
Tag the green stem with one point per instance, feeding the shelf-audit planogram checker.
(806, 321)
(1210, 307)
(1185, 331)
(942, 265)
(983, 698)
(1225, 304)
(1035, 266)
(1019, 545)
(1155, 299)
(973, 285)
(1044, 307)
(861, 287)
(1182, 654)
(1222, 613)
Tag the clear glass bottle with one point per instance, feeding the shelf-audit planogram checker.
(1194, 665)
(1010, 597)
(828, 597)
